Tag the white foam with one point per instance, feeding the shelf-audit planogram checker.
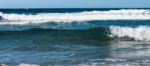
(141, 33)
(15, 23)
(22, 64)
(28, 64)
(128, 14)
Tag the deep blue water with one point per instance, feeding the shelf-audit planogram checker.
(70, 37)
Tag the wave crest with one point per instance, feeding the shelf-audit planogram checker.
(124, 14)
(141, 33)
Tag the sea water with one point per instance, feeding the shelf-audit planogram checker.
(75, 37)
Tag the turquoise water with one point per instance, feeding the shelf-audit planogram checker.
(75, 37)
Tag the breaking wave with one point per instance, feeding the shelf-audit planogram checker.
(141, 33)
(17, 22)
(124, 14)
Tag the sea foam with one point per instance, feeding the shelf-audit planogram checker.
(141, 33)
(124, 14)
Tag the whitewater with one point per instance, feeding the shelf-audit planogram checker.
(124, 14)
(141, 33)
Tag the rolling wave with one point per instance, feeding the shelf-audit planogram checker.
(140, 33)
(124, 14)
(21, 22)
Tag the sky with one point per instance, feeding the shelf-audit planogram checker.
(74, 3)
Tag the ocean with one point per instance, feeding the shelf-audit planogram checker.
(75, 37)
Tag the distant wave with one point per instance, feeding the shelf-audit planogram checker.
(124, 14)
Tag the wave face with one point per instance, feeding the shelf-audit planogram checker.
(140, 33)
(124, 14)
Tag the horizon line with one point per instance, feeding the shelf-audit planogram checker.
(87, 8)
